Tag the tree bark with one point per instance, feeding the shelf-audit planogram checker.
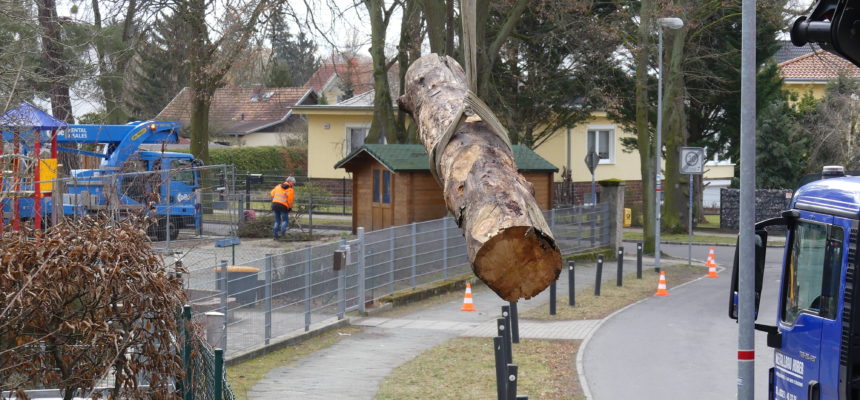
(56, 74)
(643, 126)
(674, 201)
(383, 123)
(508, 241)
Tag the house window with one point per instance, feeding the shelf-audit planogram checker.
(382, 186)
(356, 137)
(602, 141)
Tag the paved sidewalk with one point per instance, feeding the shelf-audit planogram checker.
(354, 367)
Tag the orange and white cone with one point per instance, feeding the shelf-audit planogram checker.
(661, 286)
(712, 265)
(467, 299)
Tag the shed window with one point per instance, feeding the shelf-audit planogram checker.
(382, 186)
(376, 186)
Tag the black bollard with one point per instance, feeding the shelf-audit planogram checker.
(599, 275)
(552, 298)
(500, 367)
(619, 277)
(639, 260)
(571, 283)
(505, 333)
(512, 381)
(515, 323)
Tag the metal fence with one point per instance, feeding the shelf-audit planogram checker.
(281, 293)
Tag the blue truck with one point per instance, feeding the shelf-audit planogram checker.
(816, 338)
(127, 180)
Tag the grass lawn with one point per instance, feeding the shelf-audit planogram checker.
(682, 237)
(463, 368)
(613, 297)
(244, 376)
(713, 221)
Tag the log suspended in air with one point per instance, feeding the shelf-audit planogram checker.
(509, 243)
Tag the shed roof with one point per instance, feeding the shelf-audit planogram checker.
(413, 157)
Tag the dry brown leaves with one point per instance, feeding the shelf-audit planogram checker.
(87, 299)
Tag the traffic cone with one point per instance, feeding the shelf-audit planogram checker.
(712, 269)
(661, 286)
(467, 299)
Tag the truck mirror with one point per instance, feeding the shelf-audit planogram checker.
(760, 252)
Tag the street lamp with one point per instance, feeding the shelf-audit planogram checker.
(670, 23)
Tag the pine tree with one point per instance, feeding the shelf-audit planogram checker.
(781, 145)
(294, 58)
(160, 68)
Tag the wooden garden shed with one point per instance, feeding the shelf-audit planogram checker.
(392, 184)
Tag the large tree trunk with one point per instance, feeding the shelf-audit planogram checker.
(643, 127)
(509, 243)
(56, 75)
(674, 201)
(383, 123)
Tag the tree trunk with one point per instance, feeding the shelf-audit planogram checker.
(508, 241)
(382, 124)
(56, 75)
(643, 127)
(200, 123)
(675, 202)
(435, 14)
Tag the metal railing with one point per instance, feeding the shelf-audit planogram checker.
(281, 293)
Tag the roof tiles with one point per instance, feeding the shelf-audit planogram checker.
(818, 66)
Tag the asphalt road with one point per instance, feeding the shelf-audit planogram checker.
(682, 346)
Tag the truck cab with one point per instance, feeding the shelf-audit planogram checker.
(816, 331)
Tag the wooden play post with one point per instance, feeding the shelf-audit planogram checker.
(509, 243)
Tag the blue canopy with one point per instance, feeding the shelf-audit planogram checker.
(27, 117)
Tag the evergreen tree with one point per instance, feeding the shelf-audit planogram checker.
(160, 68)
(833, 127)
(294, 58)
(780, 145)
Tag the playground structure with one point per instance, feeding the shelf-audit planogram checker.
(25, 172)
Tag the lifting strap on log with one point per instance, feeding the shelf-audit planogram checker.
(472, 104)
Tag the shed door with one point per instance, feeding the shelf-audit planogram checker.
(382, 198)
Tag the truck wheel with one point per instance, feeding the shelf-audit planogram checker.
(163, 228)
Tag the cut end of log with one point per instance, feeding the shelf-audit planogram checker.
(518, 262)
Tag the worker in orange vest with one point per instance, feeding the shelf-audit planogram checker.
(283, 197)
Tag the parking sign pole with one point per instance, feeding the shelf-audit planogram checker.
(690, 225)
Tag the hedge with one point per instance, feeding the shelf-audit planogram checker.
(262, 158)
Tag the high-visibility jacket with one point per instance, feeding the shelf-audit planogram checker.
(284, 196)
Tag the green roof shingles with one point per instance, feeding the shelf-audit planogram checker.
(413, 157)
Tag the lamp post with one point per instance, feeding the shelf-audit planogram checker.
(671, 23)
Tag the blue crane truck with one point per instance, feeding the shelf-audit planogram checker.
(127, 180)
(816, 338)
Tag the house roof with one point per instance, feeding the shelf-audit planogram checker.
(817, 66)
(358, 71)
(413, 157)
(788, 51)
(241, 110)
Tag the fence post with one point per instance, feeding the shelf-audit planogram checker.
(267, 299)
(414, 267)
(224, 282)
(579, 226)
(341, 281)
(391, 240)
(571, 283)
(639, 260)
(619, 278)
(362, 296)
(599, 275)
(552, 219)
(308, 289)
(445, 248)
(343, 195)
(167, 223)
(186, 351)
(552, 297)
(499, 347)
(218, 379)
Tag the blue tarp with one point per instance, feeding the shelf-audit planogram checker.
(27, 117)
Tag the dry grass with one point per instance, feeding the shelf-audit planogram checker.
(244, 376)
(463, 369)
(613, 297)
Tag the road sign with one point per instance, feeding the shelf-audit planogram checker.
(692, 160)
(591, 161)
